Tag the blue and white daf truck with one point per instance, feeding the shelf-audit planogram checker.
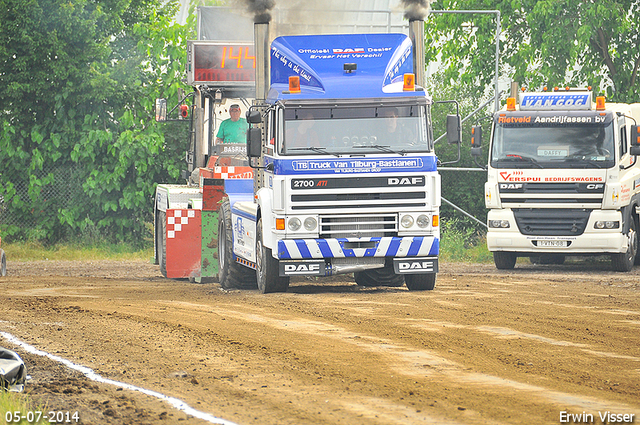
(344, 174)
(563, 179)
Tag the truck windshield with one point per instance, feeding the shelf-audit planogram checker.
(559, 146)
(356, 130)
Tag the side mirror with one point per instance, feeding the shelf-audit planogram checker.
(254, 142)
(161, 110)
(635, 135)
(635, 140)
(453, 129)
(476, 140)
(254, 117)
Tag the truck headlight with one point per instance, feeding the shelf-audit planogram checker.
(406, 221)
(310, 223)
(294, 224)
(499, 224)
(422, 221)
(602, 224)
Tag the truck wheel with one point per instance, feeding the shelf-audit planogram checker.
(231, 274)
(267, 271)
(504, 260)
(161, 246)
(379, 277)
(3, 263)
(624, 262)
(420, 282)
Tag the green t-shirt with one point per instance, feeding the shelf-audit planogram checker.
(233, 132)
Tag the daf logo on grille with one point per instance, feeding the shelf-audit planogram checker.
(405, 181)
(510, 186)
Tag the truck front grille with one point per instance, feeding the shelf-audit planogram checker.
(394, 193)
(355, 226)
(588, 195)
(552, 222)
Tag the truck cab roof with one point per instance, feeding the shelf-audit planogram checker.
(342, 66)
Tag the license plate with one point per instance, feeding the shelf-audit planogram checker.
(553, 244)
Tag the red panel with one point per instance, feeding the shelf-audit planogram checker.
(184, 234)
(211, 196)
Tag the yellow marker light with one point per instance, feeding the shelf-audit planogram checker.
(600, 103)
(279, 223)
(511, 104)
(294, 84)
(409, 82)
(435, 221)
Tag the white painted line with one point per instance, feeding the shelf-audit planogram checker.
(89, 373)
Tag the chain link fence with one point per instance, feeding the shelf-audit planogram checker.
(62, 192)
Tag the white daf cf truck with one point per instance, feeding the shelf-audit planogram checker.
(563, 179)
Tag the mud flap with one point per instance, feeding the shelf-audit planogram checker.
(301, 268)
(415, 265)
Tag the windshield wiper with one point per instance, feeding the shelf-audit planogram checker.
(582, 160)
(520, 158)
(315, 149)
(382, 148)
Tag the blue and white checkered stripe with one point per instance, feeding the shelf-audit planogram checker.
(417, 246)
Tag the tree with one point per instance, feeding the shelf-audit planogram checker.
(543, 42)
(78, 79)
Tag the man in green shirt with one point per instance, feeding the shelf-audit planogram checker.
(234, 129)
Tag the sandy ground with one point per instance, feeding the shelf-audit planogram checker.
(485, 347)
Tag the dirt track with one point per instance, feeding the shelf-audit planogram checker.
(485, 347)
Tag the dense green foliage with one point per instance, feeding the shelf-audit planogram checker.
(78, 81)
(543, 42)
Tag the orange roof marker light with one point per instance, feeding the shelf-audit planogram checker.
(600, 103)
(511, 104)
(294, 84)
(409, 82)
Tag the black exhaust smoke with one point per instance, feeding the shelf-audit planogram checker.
(416, 9)
(261, 10)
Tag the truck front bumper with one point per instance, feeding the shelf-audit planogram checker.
(592, 241)
(412, 246)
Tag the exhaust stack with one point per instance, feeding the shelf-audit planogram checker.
(416, 34)
(261, 42)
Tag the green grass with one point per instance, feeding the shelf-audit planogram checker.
(19, 402)
(460, 243)
(33, 251)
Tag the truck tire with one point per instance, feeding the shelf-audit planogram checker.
(3, 263)
(504, 260)
(379, 277)
(267, 271)
(420, 282)
(161, 245)
(624, 262)
(231, 274)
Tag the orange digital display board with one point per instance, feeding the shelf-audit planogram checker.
(215, 62)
